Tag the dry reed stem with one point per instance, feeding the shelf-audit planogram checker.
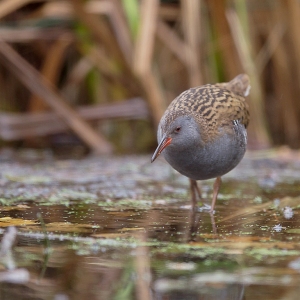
(172, 41)
(51, 69)
(33, 80)
(144, 44)
(192, 29)
(142, 61)
(169, 12)
(293, 13)
(121, 30)
(64, 9)
(108, 68)
(270, 46)
(225, 42)
(287, 109)
(101, 60)
(74, 78)
(277, 62)
(26, 35)
(285, 91)
(24, 125)
(154, 95)
(9, 6)
(99, 28)
(258, 124)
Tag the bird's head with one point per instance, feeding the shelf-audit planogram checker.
(182, 133)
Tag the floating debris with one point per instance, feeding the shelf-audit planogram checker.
(288, 212)
(277, 228)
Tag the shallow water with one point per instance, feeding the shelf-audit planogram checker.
(121, 228)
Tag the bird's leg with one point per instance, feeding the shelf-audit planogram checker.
(198, 190)
(195, 190)
(217, 185)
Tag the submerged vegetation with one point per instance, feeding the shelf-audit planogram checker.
(129, 219)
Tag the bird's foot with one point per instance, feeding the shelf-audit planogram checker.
(206, 207)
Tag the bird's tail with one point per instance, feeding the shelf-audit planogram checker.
(239, 85)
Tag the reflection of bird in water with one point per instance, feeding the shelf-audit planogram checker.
(202, 134)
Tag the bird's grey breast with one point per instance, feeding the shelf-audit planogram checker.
(212, 159)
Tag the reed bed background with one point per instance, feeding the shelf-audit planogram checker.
(109, 68)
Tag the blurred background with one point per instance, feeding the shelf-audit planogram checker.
(97, 75)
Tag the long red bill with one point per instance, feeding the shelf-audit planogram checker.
(162, 145)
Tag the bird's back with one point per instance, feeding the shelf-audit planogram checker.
(212, 106)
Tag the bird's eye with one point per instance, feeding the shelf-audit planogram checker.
(177, 129)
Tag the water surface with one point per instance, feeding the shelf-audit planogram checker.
(122, 228)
